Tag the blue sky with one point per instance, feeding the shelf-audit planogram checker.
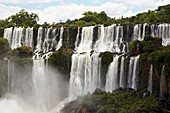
(56, 10)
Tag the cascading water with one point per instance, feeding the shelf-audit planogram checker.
(138, 32)
(150, 79)
(122, 72)
(86, 40)
(133, 72)
(29, 38)
(130, 72)
(85, 75)
(112, 75)
(110, 38)
(77, 39)
(59, 44)
(8, 34)
(162, 31)
(18, 37)
(85, 69)
(163, 84)
(31, 92)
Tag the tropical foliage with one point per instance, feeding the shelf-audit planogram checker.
(22, 18)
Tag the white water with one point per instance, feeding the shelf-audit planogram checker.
(133, 72)
(77, 39)
(29, 38)
(163, 83)
(59, 44)
(18, 37)
(12, 104)
(86, 40)
(32, 92)
(85, 70)
(162, 31)
(110, 38)
(8, 34)
(150, 79)
(112, 75)
(138, 32)
(122, 72)
(85, 74)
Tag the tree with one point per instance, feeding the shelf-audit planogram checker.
(164, 12)
(23, 18)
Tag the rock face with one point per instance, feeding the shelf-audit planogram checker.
(119, 101)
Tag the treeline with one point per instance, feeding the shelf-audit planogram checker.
(23, 18)
(160, 15)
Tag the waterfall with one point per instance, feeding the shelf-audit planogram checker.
(130, 71)
(133, 72)
(39, 40)
(163, 84)
(85, 74)
(8, 34)
(45, 86)
(29, 38)
(61, 39)
(110, 38)
(18, 37)
(77, 39)
(112, 75)
(138, 32)
(85, 69)
(122, 72)
(47, 40)
(86, 40)
(162, 31)
(10, 75)
(150, 79)
(32, 88)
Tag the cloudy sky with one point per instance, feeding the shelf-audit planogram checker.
(56, 10)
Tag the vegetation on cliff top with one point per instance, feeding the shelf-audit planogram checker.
(23, 18)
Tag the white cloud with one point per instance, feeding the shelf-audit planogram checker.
(28, 1)
(144, 5)
(73, 10)
(6, 11)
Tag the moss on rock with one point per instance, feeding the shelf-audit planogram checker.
(4, 47)
(22, 51)
(62, 59)
(106, 59)
(119, 101)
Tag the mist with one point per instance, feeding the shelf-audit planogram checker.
(33, 87)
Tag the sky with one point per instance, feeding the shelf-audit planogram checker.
(55, 10)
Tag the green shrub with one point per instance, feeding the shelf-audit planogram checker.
(135, 47)
(4, 47)
(61, 58)
(22, 51)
